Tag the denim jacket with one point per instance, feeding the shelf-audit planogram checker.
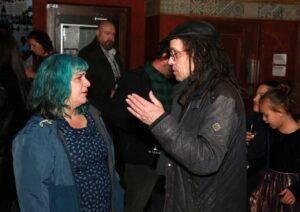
(43, 172)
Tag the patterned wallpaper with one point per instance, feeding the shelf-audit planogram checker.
(226, 8)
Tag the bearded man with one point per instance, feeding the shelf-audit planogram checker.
(105, 66)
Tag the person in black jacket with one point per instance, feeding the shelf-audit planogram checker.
(105, 66)
(204, 136)
(14, 88)
(258, 138)
(136, 143)
(279, 189)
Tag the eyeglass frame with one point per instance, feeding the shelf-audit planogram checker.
(173, 53)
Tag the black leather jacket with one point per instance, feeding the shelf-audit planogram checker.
(205, 141)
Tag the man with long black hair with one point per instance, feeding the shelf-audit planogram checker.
(204, 136)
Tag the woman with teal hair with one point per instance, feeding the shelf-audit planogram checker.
(63, 157)
(52, 88)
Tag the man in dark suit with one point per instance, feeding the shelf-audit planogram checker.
(105, 66)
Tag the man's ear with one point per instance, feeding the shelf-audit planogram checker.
(98, 32)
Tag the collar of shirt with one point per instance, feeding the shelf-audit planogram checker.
(110, 53)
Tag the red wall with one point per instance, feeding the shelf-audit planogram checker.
(274, 36)
(246, 40)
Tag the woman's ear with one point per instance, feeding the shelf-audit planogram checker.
(281, 110)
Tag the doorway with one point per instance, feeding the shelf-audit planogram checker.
(72, 27)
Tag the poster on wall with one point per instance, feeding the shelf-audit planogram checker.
(16, 15)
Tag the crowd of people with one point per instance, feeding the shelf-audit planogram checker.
(81, 133)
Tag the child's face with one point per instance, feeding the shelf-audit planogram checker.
(273, 118)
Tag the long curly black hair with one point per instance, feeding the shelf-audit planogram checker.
(211, 63)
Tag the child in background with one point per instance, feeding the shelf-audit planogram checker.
(258, 138)
(280, 188)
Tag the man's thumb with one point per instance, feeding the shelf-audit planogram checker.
(153, 99)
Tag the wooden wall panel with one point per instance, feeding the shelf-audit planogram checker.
(251, 42)
(297, 73)
(281, 37)
(278, 37)
(152, 37)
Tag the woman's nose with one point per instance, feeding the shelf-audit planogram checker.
(87, 83)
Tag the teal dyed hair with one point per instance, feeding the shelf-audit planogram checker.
(52, 85)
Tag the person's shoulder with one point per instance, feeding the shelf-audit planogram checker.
(226, 88)
(88, 47)
(37, 129)
(84, 50)
(223, 86)
(118, 54)
(36, 141)
(94, 111)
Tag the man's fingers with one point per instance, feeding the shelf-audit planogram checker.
(134, 113)
(134, 105)
(144, 110)
(287, 198)
(154, 99)
(139, 99)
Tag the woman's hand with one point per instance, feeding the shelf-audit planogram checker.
(287, 197)
(249, 136)
(144, 110)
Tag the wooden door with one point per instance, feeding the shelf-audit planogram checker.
(241, 40)
(278, 37)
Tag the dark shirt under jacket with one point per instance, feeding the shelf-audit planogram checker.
(285, 156)
(100, 75)
(135, 138)
(285, 152)
(257, 149)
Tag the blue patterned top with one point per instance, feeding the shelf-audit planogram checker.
(89, 157)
